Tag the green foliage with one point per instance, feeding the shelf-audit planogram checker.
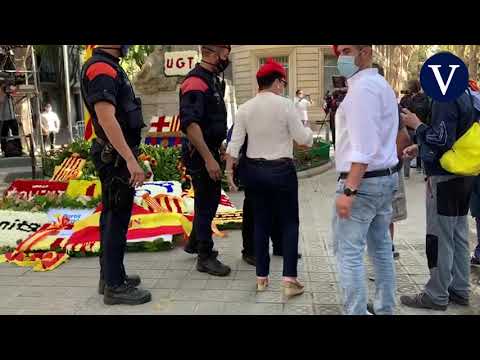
(310, 158)
(167, 161)
(5, 249)
(44, 203)
(137, 54)
(55, 157)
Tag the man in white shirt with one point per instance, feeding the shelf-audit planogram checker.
(50, 124)
(366, 159)
(301, 104)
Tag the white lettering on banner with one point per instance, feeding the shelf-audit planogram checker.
(179, 63)
(438, 76)
(18, 225)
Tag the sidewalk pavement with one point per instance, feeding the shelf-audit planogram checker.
(177, 288)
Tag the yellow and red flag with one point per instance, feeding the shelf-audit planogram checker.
(89, 131)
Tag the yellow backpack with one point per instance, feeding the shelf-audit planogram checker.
(464, 156)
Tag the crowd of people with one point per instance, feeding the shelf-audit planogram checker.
(376, 137)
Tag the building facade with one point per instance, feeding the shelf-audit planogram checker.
(309, 68)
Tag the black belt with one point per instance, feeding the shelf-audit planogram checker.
(376, 173)
(262, 161)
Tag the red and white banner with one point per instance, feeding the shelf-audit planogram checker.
(27, 189)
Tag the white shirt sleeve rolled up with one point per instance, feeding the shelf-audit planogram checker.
(301, 134)
(238, 135)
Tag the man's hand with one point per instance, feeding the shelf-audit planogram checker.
(410, 119)
(223, 152)
(231, 183)
(344, 206)
(410, 152)
(137, 175)
(213, 169)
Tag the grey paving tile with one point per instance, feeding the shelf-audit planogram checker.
(253, 309)
(210, 308)
(193, 284)
(296, 309)
(239, 296)
(167, 284)
(326, 298)
(327, 309)
(218, 284)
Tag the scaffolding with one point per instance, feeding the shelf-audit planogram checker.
(18, 68)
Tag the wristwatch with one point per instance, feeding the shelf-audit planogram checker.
(349, 192)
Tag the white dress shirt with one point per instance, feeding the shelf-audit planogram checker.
(366, 123)
(302, 105)
(272, 123)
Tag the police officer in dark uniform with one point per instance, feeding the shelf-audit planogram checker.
(204, 120)
(117, 120)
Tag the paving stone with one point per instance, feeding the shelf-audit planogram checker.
(193, 284)
(327, 309)
(326, 298)
(252, 309)
(295, 309)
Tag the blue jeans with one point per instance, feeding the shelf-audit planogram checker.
(368, 225)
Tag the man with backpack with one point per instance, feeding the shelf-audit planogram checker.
(447, 203)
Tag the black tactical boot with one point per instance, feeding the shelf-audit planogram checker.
(212, 266)
(125, 294)
(189, 249)
(249, 259)
(133, 280)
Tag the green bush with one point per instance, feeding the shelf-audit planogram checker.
(166, 168)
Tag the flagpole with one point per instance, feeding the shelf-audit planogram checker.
(67, 92)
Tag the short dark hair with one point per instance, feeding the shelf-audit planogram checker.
(360, 47)
(414, 85)
(380, 68)
(265, 82)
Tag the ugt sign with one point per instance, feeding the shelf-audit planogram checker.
(179, 63)
(444, 77)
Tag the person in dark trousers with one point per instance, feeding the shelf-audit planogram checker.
(417, 102)
(8, 123)
(272, 124)
(117, 120)
(475, 211)
(204, 120)
(248, 251)
(447, 205)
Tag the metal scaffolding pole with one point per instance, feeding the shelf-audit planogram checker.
(37, 102)
(67, 92)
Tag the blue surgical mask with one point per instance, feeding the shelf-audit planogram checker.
(346, 65)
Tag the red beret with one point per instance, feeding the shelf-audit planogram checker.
(335, 50)
(271, 67)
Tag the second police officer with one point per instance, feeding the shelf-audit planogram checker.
(203, 117)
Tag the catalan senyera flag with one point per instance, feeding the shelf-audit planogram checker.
(89, 131)
(69, 169)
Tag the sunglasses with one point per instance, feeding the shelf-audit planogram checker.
(284, 82)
